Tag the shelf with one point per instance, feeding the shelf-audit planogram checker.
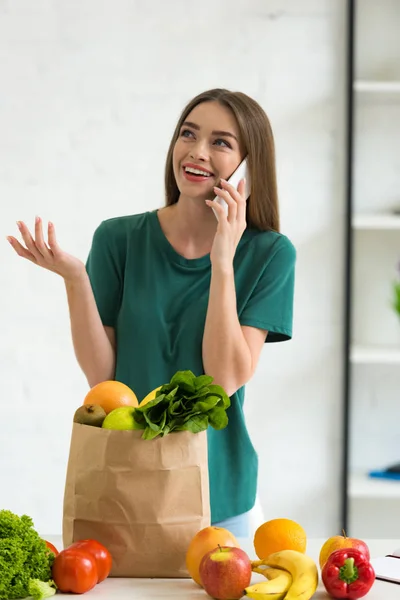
(370, 355)
(377, 87)
(376, 222)
(362, 486)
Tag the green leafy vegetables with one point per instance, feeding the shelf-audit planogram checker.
(186, 403)
(24, 558)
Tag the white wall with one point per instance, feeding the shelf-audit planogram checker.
(90, 93)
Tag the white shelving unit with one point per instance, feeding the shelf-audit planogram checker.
(376, 222)
(377, 87)
(369, 355)
(374, 345)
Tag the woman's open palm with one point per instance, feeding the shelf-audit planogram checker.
(49, 256)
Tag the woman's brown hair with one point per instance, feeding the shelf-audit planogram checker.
(256, 134)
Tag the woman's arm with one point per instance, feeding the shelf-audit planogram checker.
(94, 345)
(230, 351)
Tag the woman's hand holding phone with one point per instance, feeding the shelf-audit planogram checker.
(231, 223)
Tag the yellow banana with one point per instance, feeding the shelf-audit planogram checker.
(260, 566)
(302, 569)
(267, 571)
(274, 589)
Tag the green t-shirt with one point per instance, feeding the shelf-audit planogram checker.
(157, 301)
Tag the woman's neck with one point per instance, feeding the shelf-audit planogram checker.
(189, 226)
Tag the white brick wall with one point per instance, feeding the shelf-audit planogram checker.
(89, 95)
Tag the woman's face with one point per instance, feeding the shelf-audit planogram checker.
(208, 148)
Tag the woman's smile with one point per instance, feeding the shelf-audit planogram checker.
(197, 173)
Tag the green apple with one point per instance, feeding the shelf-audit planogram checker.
(121, 418)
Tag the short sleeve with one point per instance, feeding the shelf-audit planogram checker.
(105, 269)
(270, 306)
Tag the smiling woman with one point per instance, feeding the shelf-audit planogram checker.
(227, 127)
(176, 289)
(203, 154)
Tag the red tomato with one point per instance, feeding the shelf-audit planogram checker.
(52, 548)
(74, 571)
(99, 552)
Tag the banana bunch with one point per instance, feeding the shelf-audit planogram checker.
(291, 575)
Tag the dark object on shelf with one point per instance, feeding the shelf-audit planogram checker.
(392, 472)
(394, 468)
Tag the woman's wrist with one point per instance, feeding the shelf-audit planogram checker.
(77, 278)
(222, 269)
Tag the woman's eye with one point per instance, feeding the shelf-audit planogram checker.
(186, 133)
(225, 143)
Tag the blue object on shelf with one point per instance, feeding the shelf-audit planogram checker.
(385, 475)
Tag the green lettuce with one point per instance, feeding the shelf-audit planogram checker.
(186, 403)
(24, 556)
(40, 590)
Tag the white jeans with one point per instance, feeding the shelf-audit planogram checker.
(238, 525)
(244, 525)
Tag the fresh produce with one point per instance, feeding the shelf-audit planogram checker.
(186, 403)
(121, 418)
(111, 394)
(338, 542)
(348, 574)
(150, 396)
(39, 590)
(90, 414)
(100, 554)
(274, 589)
(51, 547)
(279, 534)
(225, 572)
(75, 570)
(24, 557)
(205, 540)
(301, 567)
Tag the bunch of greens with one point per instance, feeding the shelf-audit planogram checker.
(186, 403)
(25, 560)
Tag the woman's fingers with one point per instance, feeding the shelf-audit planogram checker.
(51, 236)
(29, 241)
(231, 202)
(47, 255)
(237, 197)
(39, 241)
(20, 250)
(242, 202)
(36, 248)
(220, 210)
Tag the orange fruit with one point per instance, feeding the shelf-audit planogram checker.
(279, 534)
(110, 395)
(204, 541)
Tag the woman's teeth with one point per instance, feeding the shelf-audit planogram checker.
(197, 172)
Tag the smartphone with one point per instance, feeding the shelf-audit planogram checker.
(241, 171)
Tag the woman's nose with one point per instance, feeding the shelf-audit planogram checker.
(199, 150)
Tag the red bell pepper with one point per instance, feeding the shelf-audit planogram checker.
(348, 574)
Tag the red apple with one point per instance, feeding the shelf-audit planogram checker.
(337, 542)
(225, 572)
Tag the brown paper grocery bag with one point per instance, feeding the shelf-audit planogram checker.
(143, 499)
